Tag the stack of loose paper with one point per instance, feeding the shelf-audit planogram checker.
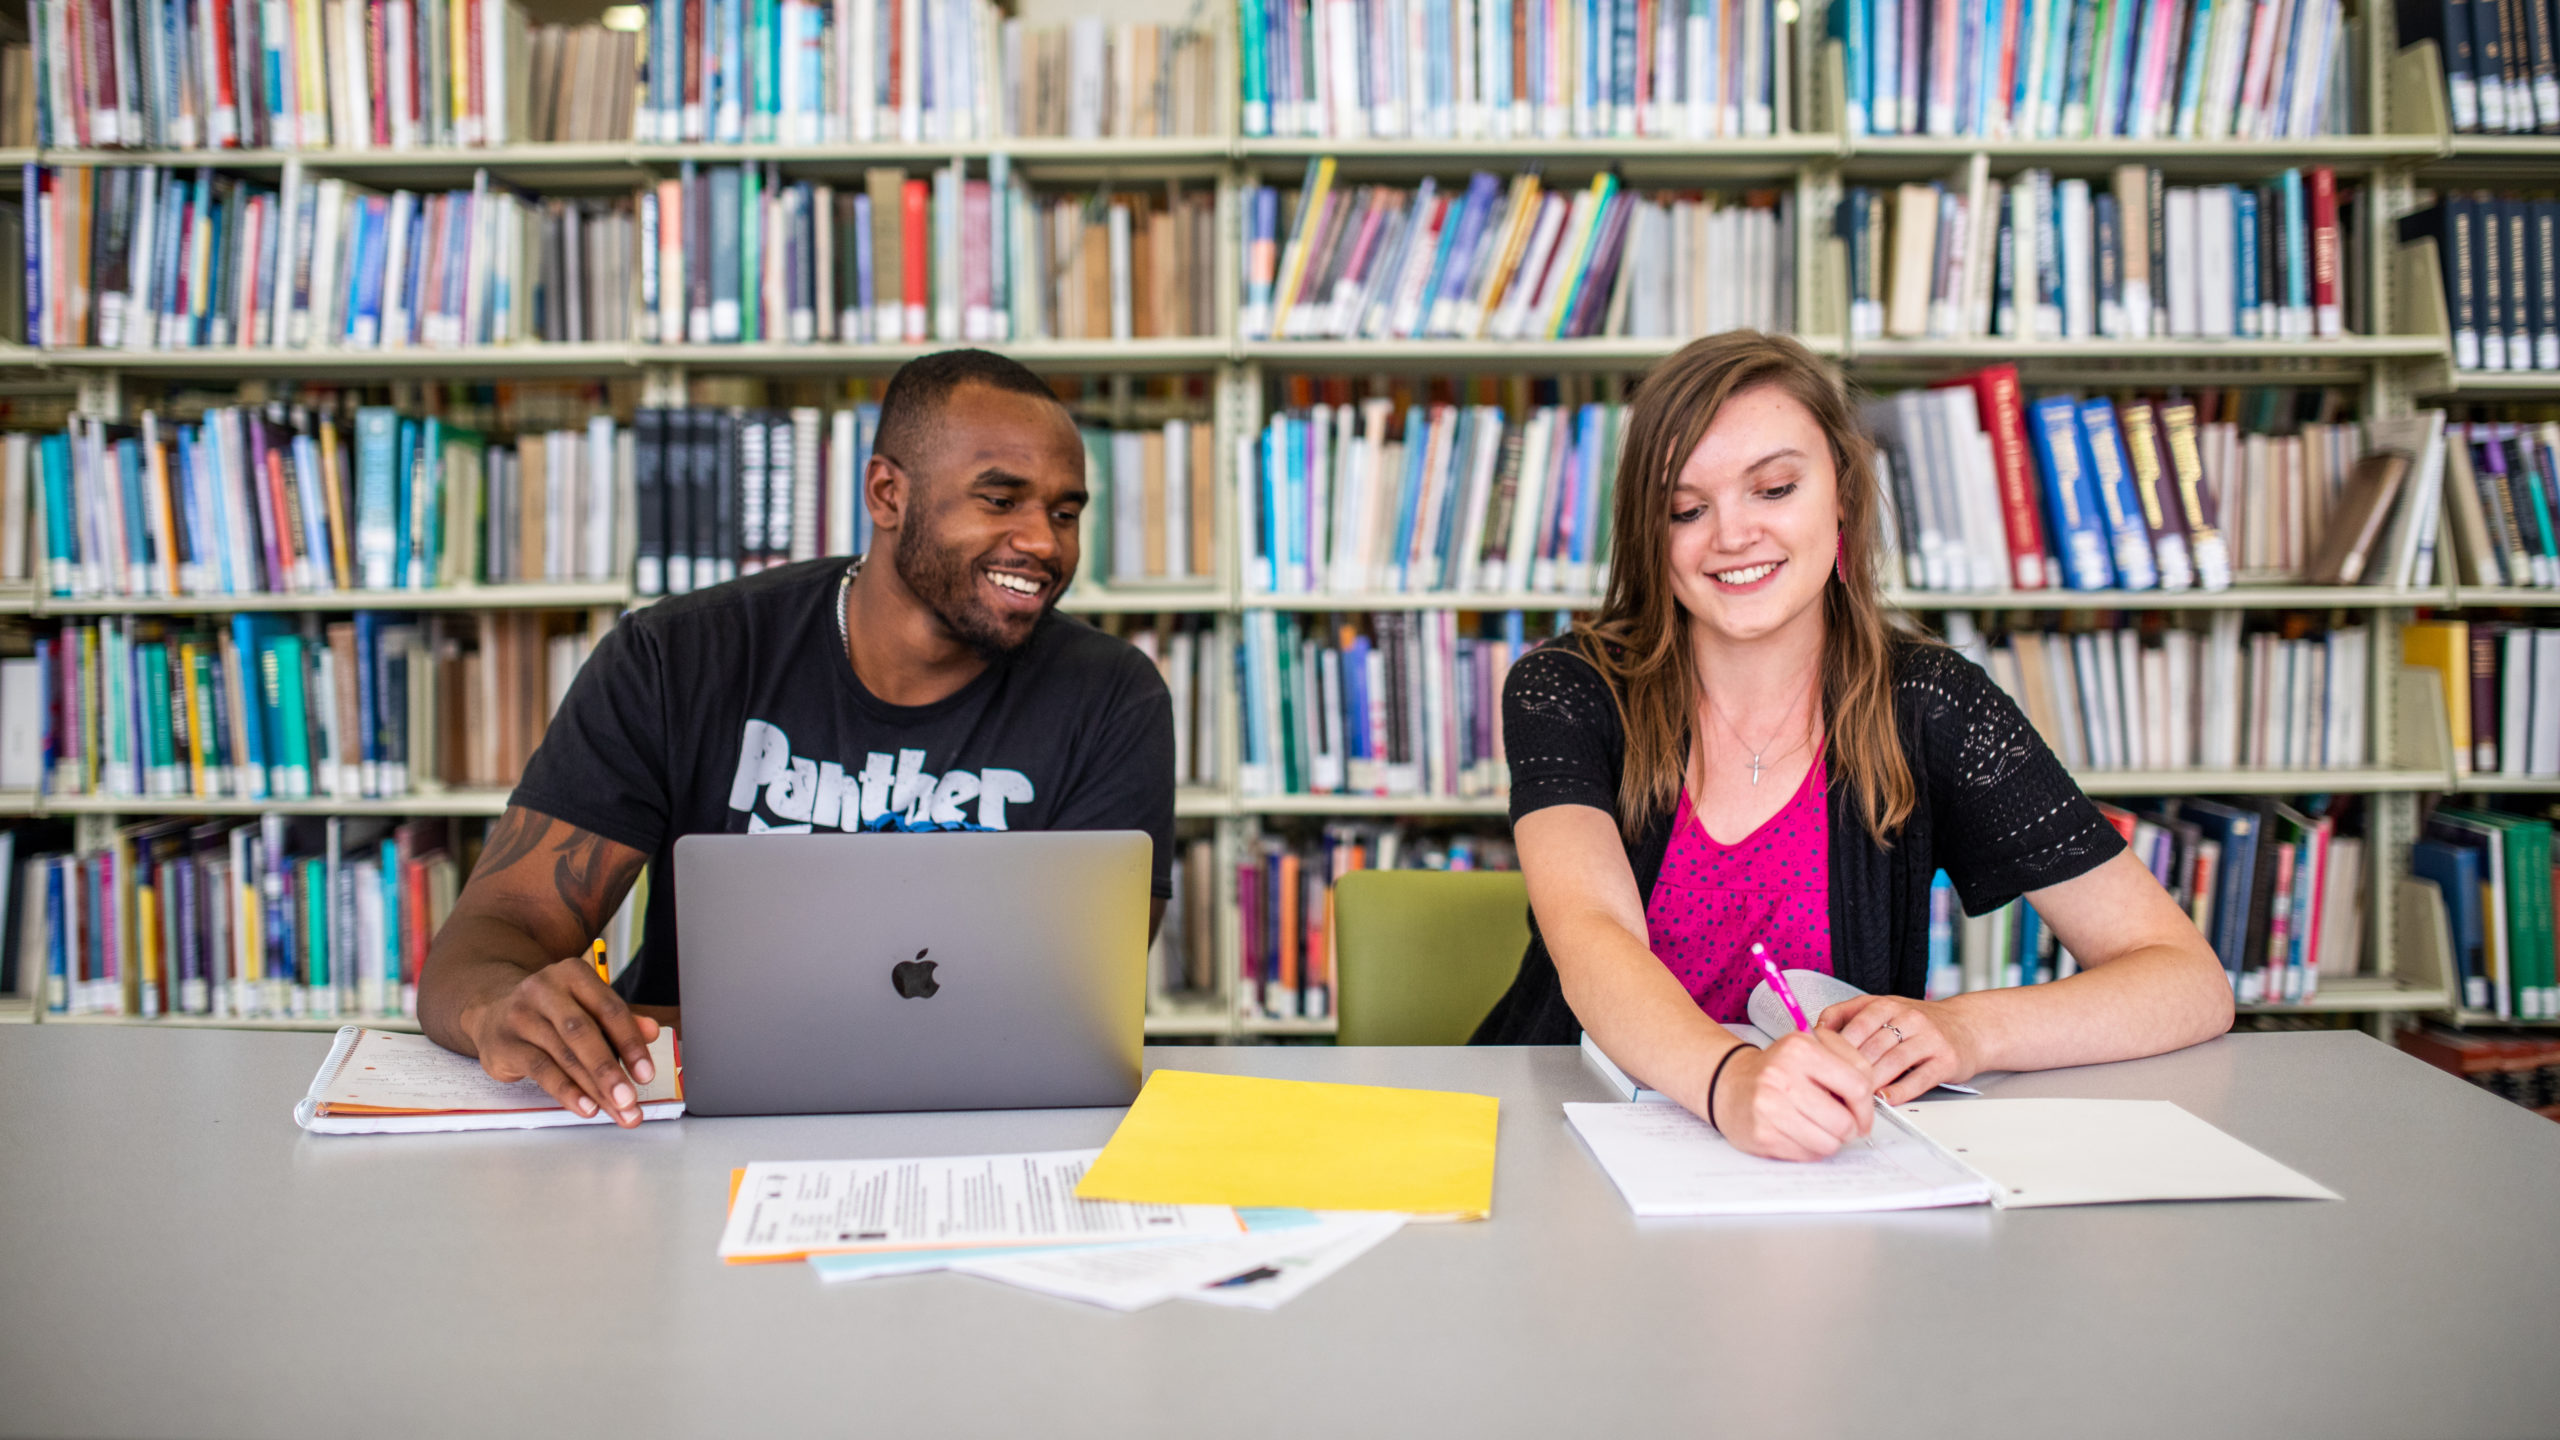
(381, 1081)
(1016, 1218)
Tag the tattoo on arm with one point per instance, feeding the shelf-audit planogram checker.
(589, 874)
(590, 879)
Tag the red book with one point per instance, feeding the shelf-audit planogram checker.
(226, 96)
(378, 60)
(2002, 406)
(2329, 318)
(692, 119)
(1646, 11)
(916, 271)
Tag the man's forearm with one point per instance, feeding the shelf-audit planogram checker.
(474, 960)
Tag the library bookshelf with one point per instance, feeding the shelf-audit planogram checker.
(2400, 361)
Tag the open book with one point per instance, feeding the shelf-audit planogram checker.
(385, 1082)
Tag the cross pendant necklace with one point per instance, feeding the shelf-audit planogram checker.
(1745, 744)
(1755, 769)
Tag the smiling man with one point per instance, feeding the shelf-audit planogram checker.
(929, 687)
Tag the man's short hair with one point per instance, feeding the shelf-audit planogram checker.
(912, 406)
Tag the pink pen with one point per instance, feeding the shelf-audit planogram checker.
(1778, 983)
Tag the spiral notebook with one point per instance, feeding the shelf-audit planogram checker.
(383, 1082)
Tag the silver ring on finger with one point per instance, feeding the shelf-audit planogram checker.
(1897, 1032)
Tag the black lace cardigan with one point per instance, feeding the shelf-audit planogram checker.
(1995, 810)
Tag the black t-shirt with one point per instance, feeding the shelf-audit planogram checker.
(733, 710)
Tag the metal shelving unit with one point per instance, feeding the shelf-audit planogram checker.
(2392, 368)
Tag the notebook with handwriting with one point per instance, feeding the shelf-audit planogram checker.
(379, 1082)
(2013, 1154)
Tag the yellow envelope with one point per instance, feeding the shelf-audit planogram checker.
(1200, 1139)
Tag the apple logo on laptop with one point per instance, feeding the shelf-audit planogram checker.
(914, 978)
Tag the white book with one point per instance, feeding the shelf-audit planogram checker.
(2543, 756)
(1515, 310)
(2079, 260)
(2216, 256)
(2179, 217)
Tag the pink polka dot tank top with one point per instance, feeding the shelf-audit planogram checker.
(1713, 900)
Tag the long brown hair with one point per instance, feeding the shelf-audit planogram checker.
(1640, 640)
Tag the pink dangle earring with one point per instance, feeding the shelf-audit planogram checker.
(1840, 556)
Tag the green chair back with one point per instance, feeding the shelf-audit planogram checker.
(1421, 955)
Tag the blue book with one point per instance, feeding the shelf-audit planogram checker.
(1417, 443)
(2112, 470)
(365, 279)
(1944, 977)
(32, 185)
(1275, 469)
(999, 254)
(1474, 231)
(369, 716)
(249, 635)
(1622, 78)
(1409, 228)
(377, 507)
(2237, 830)
(1355, 700)
(1262, 235)
(1252, 67)
(2070, 492)
(1849, 24)
(61, 548)
(1444, 544)
(2295, 233)
(857, 307)
(394, 971)
(1588, 444)
(2252, 318)
(404, 501)
(2455, 870)
(429, 560)
(127, 458)
(57, 960)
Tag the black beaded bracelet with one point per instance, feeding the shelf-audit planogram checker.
(1710, 1116)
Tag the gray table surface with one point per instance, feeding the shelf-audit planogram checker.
(179, 1259)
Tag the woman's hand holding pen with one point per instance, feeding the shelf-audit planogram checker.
(1911, 1044)
(1800, 1099)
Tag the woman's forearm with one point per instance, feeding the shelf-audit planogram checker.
(1636, 1011)
(2157, 998)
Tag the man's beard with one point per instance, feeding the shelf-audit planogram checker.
(947, 582)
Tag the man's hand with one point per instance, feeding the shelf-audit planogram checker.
(494, 984)
(566, 1031)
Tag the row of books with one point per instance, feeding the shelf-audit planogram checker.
(1519, 263)
(1403, 704)
(2315, 895)
(1354, 495)
(2514, 708)
(2084, 69)
(734, 253)
(154, 258)
(2174, 692)
(2499, 67)
(1192, 656)
(579, 84)
(264, 919)
(1992, 491)
(1182, 961)
(1284, 896)
(2043, 258)
(2502, 483)
(1380, 262)
(856, 71)
(2501, 260)
(277, 499)
(1490, 69)
(354, 74)
(405, 74)
(2494, 871)
(263, 707)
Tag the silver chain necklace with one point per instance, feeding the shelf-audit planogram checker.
(1756, 755)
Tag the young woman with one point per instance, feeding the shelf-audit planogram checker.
(1742, 749)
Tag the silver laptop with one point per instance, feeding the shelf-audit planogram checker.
(959, 971)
